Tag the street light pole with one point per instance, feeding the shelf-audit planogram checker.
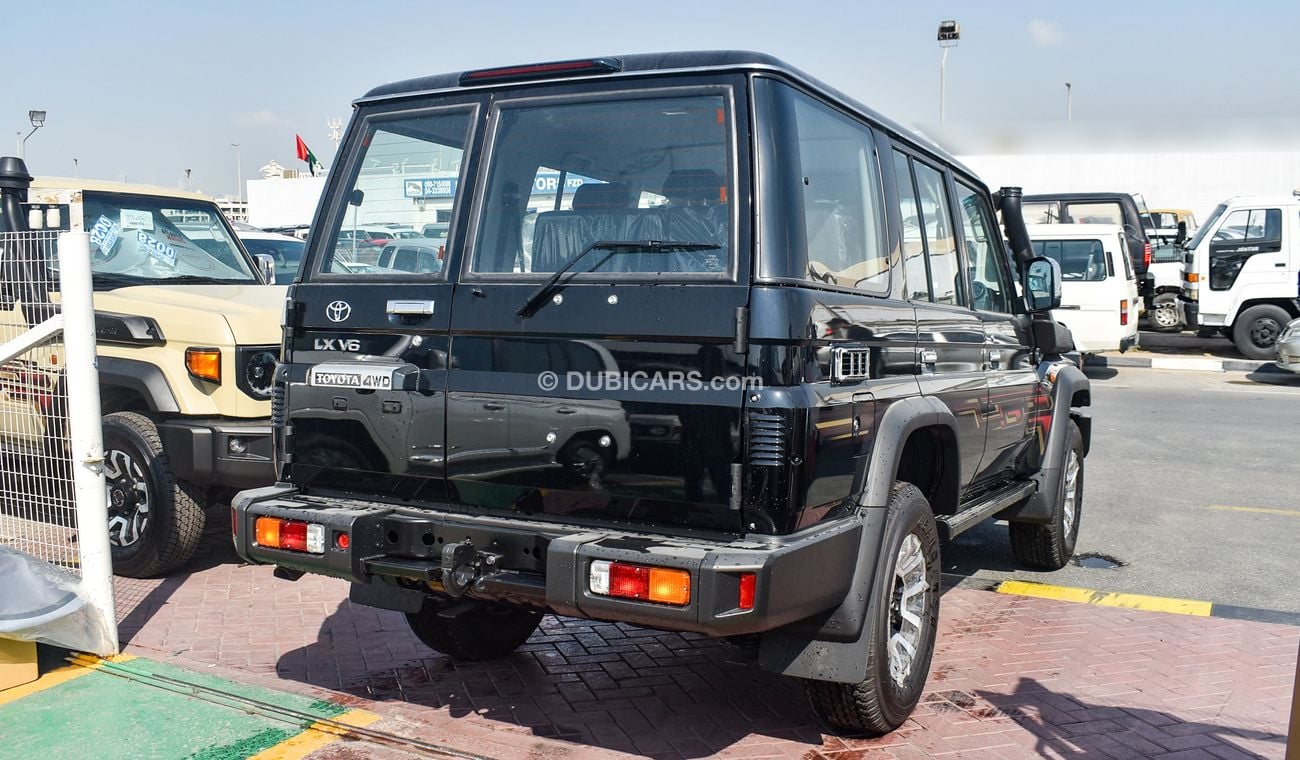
(76, 168)
(239, 174)
(38, 120)
(1069, 102)
(949, 35)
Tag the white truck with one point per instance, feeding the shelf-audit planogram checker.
(1241, 273)
(1099, 293)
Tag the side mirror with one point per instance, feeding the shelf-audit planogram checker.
(1181, 237)
(1042, 284)
(266, 267)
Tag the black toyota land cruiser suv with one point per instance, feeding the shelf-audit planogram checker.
(710, 347)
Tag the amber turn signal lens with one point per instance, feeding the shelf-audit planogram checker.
(204, 363)
(266, 532)
(669, 586)
(1193, 277)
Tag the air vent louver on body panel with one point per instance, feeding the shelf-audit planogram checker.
(850, 364)
(769, 436)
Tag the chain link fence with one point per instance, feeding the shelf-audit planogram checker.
(53, 531)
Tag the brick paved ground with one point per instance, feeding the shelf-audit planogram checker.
(1012, 677)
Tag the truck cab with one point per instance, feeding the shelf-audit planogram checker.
(714, 348)
(1241, 272)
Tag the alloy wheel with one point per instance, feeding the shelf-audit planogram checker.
(128, 498)
(907, 610)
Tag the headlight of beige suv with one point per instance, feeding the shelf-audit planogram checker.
(256, 369)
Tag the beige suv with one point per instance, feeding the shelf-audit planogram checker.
(188, 339)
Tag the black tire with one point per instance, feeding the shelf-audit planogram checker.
(881, 703)
(488, 632)
(1164, 314)
(1048, 546)
(155, 519)
(1256, 330)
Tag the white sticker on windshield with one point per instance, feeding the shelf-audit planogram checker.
(136, 220)
(155, 247)
(104, 234)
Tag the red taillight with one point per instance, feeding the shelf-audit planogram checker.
(748, 582)
(293, 536)
(1123, 312)
(629, 581)
(665, 585)
(342, 541)
(290, 535)
(1146, 253)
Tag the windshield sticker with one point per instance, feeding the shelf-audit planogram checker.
(104, 234)
(156, 248)
(136, 220)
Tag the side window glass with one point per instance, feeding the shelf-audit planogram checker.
(407, 176)
(918, 276)
(989, 282)
(1265, 226)
(940, 242)
(841, 199)
(1234, 228)
(1104, 212)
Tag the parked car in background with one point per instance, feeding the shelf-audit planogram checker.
(1098, 290)
(187, 337)
(1288, 347)
(1165, 226)
(806, 510)
(285, 250)
(418, 255)
(1241, 273)
(1126, 210)
(1164, 314)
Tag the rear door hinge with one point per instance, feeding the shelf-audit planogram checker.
(742, 330)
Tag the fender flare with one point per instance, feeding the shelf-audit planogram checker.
(1070, 382)
(140, 377)
(831, 646)
(900, 420)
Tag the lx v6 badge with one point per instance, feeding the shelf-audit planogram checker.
(337, 344)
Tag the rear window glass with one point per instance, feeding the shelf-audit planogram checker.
(1094, 213)
(565, 176)
(1080, 260)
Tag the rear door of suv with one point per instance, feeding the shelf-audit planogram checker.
(367, 346)
(612, 394)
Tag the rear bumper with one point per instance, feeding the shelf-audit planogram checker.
(546, 565)
(1191, 312)
(200, 451)
(1127, 342)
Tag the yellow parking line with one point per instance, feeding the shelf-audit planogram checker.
(1257, 510)
(315, 737)
(54, 678)
(1107, 599)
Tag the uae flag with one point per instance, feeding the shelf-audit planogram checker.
(305, 154)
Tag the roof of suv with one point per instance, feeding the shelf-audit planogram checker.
(643, 64)
(104, 186)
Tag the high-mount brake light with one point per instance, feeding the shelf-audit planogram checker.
(542, 70)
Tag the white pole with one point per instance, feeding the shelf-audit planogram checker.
(1069, 102)
(239, 174)
(85, 431)
(943, 64)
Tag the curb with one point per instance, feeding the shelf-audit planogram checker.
(1148, 603)
(1182, 363)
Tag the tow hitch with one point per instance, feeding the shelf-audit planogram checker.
(462, 565)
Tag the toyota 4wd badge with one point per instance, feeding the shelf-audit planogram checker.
(338, 311)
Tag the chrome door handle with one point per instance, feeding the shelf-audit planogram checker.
(492, 406)
(411, 308)
(929, 356)
(567, 410)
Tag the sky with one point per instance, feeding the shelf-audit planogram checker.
(146, 90)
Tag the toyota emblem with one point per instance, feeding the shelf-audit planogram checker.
(338, 311)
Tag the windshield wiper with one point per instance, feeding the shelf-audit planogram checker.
(529, 306)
